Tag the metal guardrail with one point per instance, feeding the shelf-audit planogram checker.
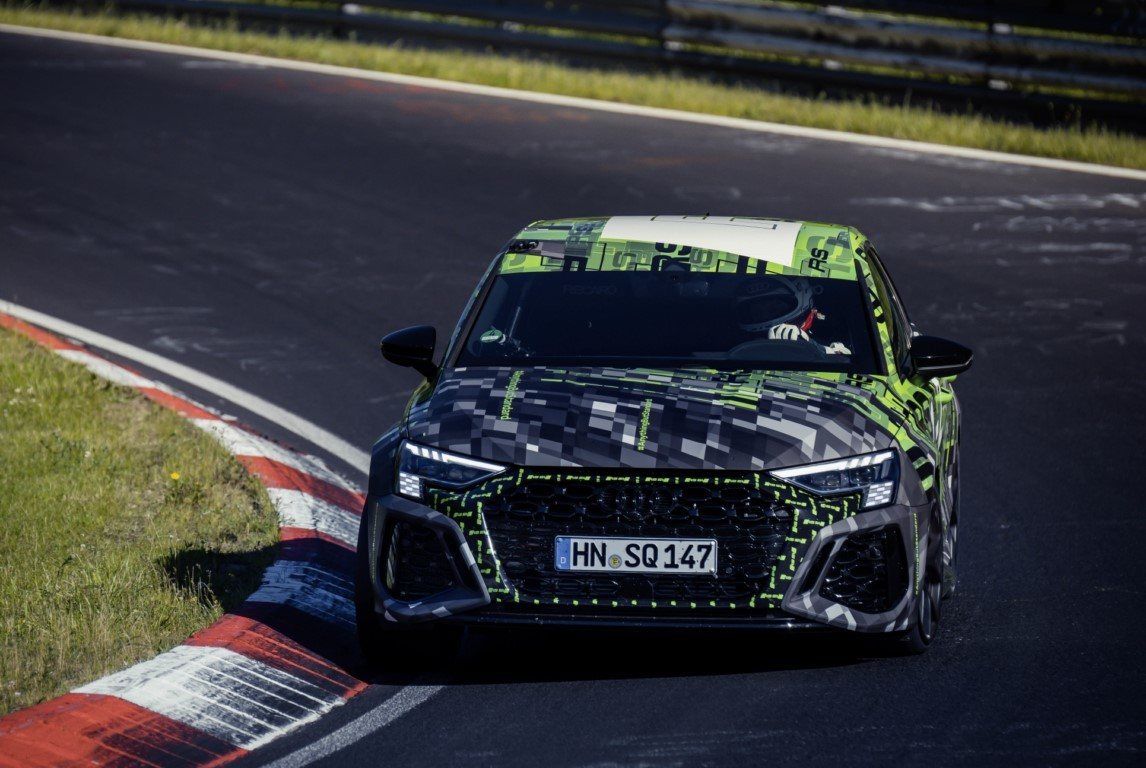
(1100, 17)
(1050, 58)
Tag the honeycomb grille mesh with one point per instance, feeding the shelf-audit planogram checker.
(747, 523)
(869, 572)
(418, 566)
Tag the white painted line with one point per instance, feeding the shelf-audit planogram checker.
(297, 425)
(298, 509)
(233, 697)
(390, 710)
(242, 442)
(575, 102)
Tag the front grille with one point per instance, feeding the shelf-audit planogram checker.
(416, 563)
(747, 523)
(869, 572)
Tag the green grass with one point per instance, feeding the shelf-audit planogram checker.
(1087, 144)
(123, 528)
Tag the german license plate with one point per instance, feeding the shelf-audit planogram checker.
(616, 555)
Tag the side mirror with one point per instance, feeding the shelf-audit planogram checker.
(934, 357)
(413, 348)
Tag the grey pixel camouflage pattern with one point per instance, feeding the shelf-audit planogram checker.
(805, 599)
(809, 515)
(541, 419)
(679, 419)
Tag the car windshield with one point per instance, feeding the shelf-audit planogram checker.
(672, 318)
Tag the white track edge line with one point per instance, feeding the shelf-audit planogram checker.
(599, 105)
(373, 720)
(297, 425)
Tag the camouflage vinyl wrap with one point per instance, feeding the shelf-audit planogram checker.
(614, 425)
(821, 250)
(806, 514)
(679, 419)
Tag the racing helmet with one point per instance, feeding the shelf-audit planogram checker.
(773, 300)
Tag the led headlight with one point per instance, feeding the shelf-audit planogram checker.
(418, 464)
(875, 474)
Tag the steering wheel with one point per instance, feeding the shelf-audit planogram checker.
(800, 351)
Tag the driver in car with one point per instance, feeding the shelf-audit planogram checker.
(793, 332)
(794, 299)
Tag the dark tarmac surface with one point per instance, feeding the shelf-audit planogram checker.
(267, 227)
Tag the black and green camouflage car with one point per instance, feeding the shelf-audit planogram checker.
(669, 421)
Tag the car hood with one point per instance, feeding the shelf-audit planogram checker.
(681, 419)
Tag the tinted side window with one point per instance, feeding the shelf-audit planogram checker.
(896, 301)
(468, 311)
(899, 325)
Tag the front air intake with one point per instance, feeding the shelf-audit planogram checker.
(869, 573)
(416, 562)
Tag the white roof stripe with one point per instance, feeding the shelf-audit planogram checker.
(765, 239)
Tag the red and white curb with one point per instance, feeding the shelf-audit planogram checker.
(256, 673)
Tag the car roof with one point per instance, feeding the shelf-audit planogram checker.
(704, 243)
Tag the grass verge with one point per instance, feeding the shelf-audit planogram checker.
(1087, 144)
(123, 528)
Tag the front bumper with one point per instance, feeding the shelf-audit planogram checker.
(478, 595)
(468, 591)
(807, 598)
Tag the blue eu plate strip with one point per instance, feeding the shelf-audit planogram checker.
(561, 553)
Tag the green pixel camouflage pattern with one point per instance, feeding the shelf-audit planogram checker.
(821, 250)
(924, 412)
(692, 418)
(807, 515)
(528, 418)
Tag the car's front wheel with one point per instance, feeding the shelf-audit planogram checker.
(919, 638)
(928, 602)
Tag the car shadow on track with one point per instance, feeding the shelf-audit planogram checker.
(531, 654)
(516, 654)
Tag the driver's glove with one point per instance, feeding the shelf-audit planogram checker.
(787, 332)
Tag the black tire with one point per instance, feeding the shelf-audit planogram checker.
(920, 637)
(407, 648)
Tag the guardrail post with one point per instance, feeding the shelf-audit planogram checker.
(663, 13)
(992, 48)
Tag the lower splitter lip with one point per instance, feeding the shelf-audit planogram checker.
(597, 621)
(803, 608)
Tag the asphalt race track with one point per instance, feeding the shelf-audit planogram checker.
(267, 227)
